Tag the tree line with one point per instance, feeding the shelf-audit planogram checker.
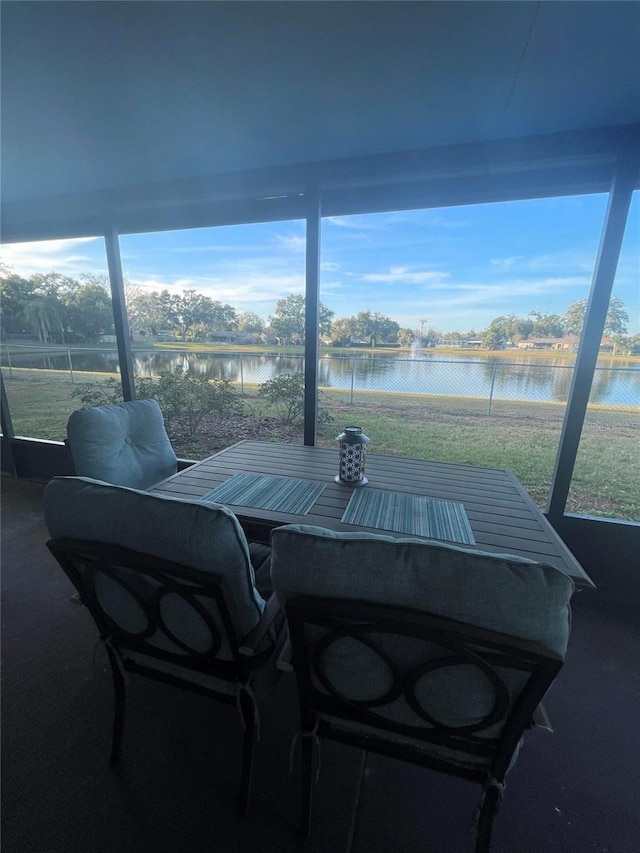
(55, 307)
(60, 309)
(512, 329)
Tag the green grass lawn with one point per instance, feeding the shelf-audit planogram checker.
(521, 436)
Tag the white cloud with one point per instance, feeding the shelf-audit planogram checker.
(296, 242)
(62, 256)
(226, 249)
(506, 263)
(565, 261)
(151, 283)
(330, 266)
(412, 219)
(473, 304)
(357, 223)
(405, 276)
(436, 220)
(334, 287)
(242, 286)
(509, 290)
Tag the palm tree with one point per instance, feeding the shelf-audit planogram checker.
(45, 316)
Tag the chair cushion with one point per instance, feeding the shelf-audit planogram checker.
(261, 561)
(124, 444)
(200, 535)
(263, 679)
(502, 593)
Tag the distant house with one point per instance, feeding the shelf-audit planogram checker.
(229, 336)
(163, 335)
(224, 337)
(268, 337)
(545, 344)
(473, 343)
(609, 345)
(134, 335)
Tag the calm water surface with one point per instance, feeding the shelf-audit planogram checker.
(615, 382)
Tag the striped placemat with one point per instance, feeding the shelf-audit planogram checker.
(412, 514)
(283, 494)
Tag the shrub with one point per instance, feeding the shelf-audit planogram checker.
(102, 392)
(178, 394)
(194, 397)
(286, 395)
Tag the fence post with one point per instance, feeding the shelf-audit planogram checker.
(493, 382)
(70, 366)
(9, 360)
(241, 377)
(353, 367)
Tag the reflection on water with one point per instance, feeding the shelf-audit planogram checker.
(546, 379)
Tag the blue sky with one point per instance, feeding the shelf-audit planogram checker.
(451, 268)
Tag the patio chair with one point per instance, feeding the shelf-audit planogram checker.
(125, 444)
(422, 651)
(170, 586)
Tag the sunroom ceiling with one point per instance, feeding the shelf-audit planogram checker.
(113, 95)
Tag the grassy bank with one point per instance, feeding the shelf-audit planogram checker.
(511, 355)
(521, 436)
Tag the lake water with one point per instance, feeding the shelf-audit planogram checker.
(546, 379)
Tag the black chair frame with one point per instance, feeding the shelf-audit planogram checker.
(82, 560)
(461, 644)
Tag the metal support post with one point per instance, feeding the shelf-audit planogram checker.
(8, 461)
(120, 319)
(312, 325)
(593, 328)
(493, 383)
(353, 371)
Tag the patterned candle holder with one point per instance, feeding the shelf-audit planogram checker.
(353, 445)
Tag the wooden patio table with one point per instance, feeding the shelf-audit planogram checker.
(503, 517)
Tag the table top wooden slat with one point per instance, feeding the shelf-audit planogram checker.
(503, 517)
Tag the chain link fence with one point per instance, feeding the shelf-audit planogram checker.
(473, 385)
(493, 412)
(477, 385)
